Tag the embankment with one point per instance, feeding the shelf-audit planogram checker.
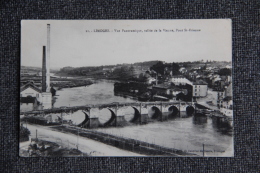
(128, 144)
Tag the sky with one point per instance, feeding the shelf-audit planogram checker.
(71, 44)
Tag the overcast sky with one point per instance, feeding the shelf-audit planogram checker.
(72, 46)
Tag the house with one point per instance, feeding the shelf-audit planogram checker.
(182, 70)
(215, 79)
(228, 90)
(227, 112)
(167, 89)
(220, 96)
(28, 96)
(180, 80)
(151, 80)
(29, 90)
(200, 89)
(227, 103)
(161, 89)
(229, 79)
(228, 66)
(176, 91)
(30, 93)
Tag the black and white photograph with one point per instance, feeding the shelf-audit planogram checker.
(135, 88)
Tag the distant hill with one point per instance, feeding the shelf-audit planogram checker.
(30, 68)
(36, 69)
(146, 63)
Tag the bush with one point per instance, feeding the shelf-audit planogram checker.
(24, 134)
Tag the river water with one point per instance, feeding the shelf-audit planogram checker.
(101, 92)
(187, 134)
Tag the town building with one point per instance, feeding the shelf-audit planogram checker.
(220, 97)
(167, 90)
(29, 90)
(200, 89)
(183, 70)
(228, 90)
(227, 103)
(28, 96)
(180, 80)
(151, 80)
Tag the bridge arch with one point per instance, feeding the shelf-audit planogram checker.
(154, 112)
(128, 112)
(85, 121)
(112, 118)
(173, 111)
(190, 110)
(103, 114)
(137, 115)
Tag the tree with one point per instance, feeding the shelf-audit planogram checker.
(24, 134)
(180, 96)
(175, 69)
(159, 67)
(132, 71)
(143, 77)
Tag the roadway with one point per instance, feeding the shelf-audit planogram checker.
(88, 146)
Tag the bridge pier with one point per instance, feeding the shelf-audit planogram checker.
(143, 110)
(118, 117)
(89, 122)
(94, 122)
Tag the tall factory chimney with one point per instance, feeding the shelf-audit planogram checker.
(48, 59)
(44, 69)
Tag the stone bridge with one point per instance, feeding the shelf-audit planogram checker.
(143, 112)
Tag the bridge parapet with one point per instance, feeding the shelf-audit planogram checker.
(142, 107)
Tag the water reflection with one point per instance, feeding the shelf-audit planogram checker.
(221, 125)
(200, 120)
(183, 114)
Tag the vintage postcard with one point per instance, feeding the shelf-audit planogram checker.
(126, 88)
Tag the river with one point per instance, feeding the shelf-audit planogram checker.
(101, 92)
(187, 134)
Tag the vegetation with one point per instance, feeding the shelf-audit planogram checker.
(123, 73)
(24, 134)
(71, 83)
(43, 148)
(166, 68)
(131, 87)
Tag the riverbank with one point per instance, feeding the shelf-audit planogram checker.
(43, 148)
(127, 144)
(70, 83)
(85, 145)
(59, 82)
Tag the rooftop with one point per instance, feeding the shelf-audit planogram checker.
(30, 85)
(165, 86)
(200, 82)
(178, 76)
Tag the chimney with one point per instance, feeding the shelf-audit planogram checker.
(44, 69)
(48, 59)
